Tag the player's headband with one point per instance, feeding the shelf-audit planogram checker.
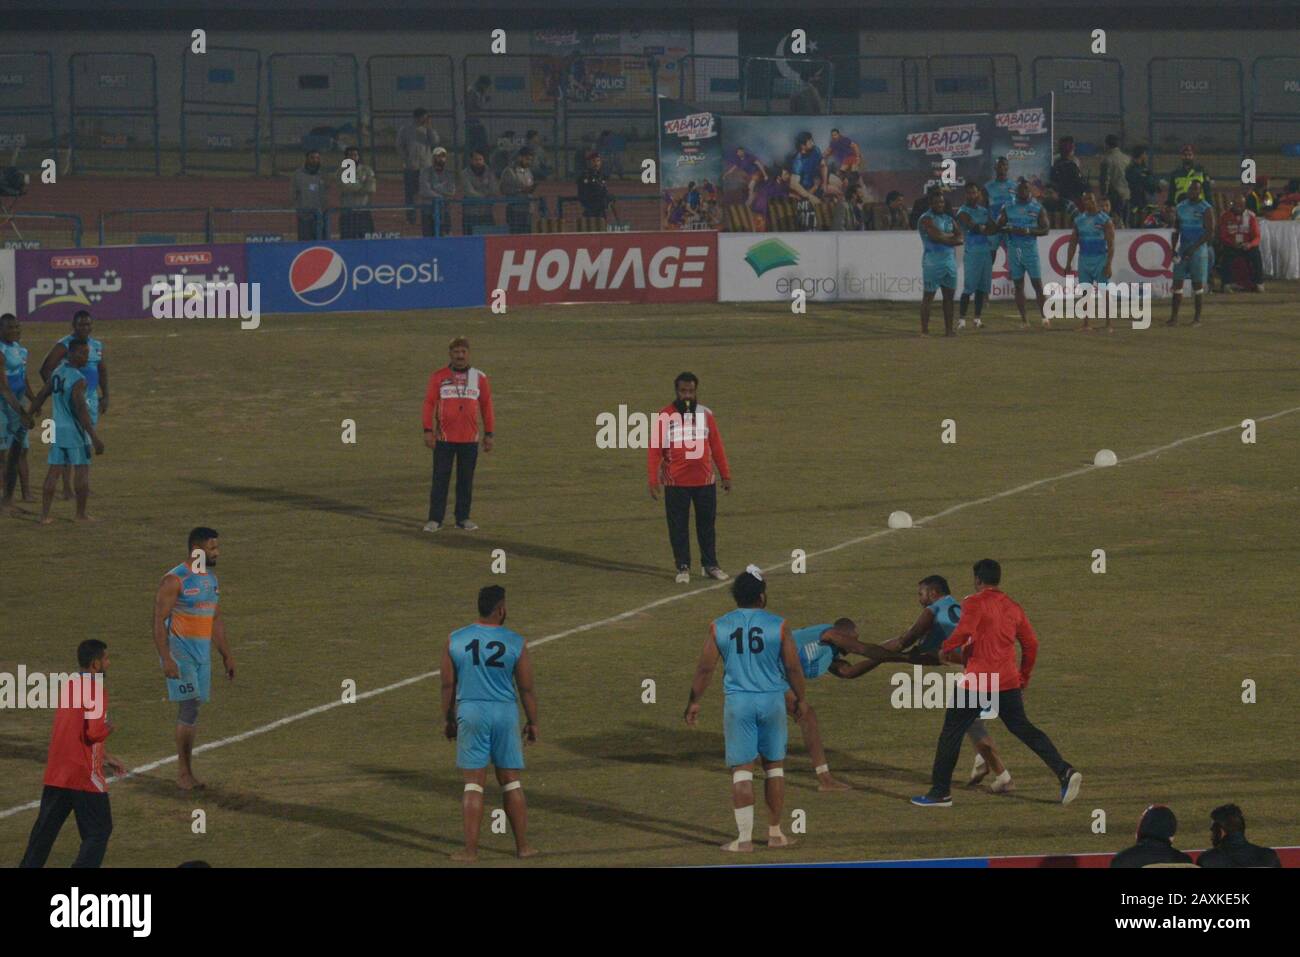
(755, 571)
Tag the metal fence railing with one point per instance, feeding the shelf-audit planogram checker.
(264, 225)
(451, 217)
(163, 226)
(396, 86)
(1197, 100)
(314, 102)
(29, 129)
(625, 213)
(39, 230)
(1088, 99)
(221, 97)
(1275, 105)
(113, 112)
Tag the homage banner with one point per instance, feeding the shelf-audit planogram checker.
(1024, 137)
(690, 166)
(903, 153)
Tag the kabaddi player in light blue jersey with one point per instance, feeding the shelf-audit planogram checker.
(939, 239)
(482, 666)
(1094, 236)
(920, 645)
(14, 420)
(978, 222)
(95, 370)
(760, 663)
(187, 622)
(1193, 232)
(820, 647)
(1023, 221)
(74, 432)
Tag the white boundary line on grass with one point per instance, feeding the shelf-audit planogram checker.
(669, 599)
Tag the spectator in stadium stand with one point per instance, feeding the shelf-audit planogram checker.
(541, 168)
(1067, 175)
(517, 185)
(1155, 841)
(593, 194)
(356, 221)
(1184, 174)
(1114, 179)
(477, 183)
(894, 215)
(1142, 184)
(850, 212)
(1261, 201)
(436, 183)
(1239, 238)
(504, 153)
(807, 100)
(415, 145)
(1231, 849)
(477, 100)
(308, 196)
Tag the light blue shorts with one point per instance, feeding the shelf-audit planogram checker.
(488, 731)
(1197, 269)
(1091, 269)
(193, 659)
(977, 270)
(1023, 260)
(939, 272)
(11, 428)
(755, 726)
(69, 454)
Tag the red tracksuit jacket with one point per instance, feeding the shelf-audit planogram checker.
(671, 464)
(453, 400)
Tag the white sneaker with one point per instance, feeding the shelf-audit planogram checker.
(961, 323)
(683, 576)
(1002, 783)
(713, 571)
(979, 771)
(978, 323)
(432, 526)
(467, 526)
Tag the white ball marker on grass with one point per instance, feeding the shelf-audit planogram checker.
(900, 520)
(1104, 459)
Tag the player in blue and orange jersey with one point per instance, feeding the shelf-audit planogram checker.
(186, 623)
(1023, 221)
(74, 431)
(760, 663)
(482, 666)
(95, 371)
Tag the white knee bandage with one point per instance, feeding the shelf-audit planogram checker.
(822, 769)
(740, 777)
(474, 787)
(775, 772)
(512, 786)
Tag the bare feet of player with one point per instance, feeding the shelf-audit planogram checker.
(464, 857)
(46, 520)
(739, 847)
(526, 851)
(87, 519)
(827, 783)
(188, 782)
(779, 840)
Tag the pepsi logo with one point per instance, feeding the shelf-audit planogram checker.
(318, 276)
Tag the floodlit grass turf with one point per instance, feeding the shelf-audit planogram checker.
(832, 420)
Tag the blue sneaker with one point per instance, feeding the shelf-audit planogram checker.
(924, 800)
(1070, 785)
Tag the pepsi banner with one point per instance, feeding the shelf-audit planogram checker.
(368, 275)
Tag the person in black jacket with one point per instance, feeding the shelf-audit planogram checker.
(593, 194)
(1231, 849)
(1154, 844)
(1067, 175)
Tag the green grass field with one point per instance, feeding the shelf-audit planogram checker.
(831, 420)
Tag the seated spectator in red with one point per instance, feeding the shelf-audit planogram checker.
(1239, 238)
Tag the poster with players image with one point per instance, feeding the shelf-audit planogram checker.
(789, 158)
(1024, 136)
(690, 166)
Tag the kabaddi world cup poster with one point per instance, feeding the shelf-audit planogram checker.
(1024, 136)
(690, 166)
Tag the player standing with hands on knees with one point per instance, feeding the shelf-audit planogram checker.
(482, 665)
(456, 395)
(760, 663)
(682, 461)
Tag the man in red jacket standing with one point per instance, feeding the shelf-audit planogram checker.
(457, 394)
(74, 771)
(685, 446)
(985, 640)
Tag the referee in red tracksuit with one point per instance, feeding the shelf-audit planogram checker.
(682, 458)
(74, 772)
(985, 640)
(457, 395)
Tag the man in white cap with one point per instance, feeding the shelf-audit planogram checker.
(437, 183)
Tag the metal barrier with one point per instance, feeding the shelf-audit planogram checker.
(709, 82)
(221, 95)
(28, 124)
(1199, 100)
(639, 212)
(265, 225)
(1089, 96)
(397, 85)
(314, 101)
(1275, 104)
(13, 235)
(608, 103)
(113, 112)
(970, 83)
(453, 217)
(873, 84)
(147, 227)
(505, 97)
(786, 81)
